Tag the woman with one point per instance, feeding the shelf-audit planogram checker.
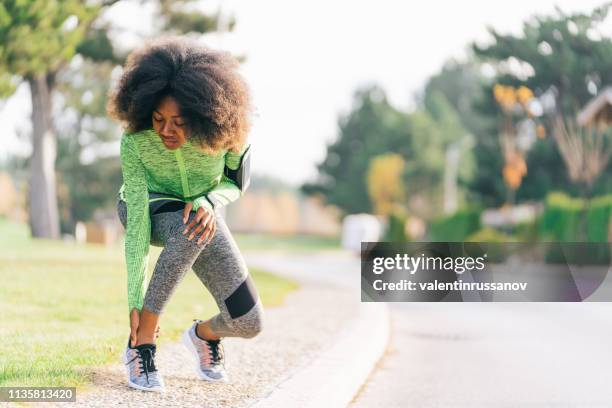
(183, 156)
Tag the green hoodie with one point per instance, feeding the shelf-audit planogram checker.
(187, 173)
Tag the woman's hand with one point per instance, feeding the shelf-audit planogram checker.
(134, 323)
(134, 320)
(204, 222)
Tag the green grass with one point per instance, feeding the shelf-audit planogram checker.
(286, 243)
(63, 308)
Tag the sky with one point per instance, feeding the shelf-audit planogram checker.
(305, 59)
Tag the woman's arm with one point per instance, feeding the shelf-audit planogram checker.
(227, 190)
(138, 227)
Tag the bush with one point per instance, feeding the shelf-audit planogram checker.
(561, 218)
(598, 219)
(496, 253)
(562, 222)
(457, 227)
(396, 227)
(528, 231)
(490, 235)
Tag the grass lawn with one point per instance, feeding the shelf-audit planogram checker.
(63, 307)
(302, 243)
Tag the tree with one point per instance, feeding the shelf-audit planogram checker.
(87, 167)
(371, 128)
(450, 97)
(37, 40)
(564, 59)
(440, 159)
(385, 184)
(585, 151)
(517, 133)
(462, 85)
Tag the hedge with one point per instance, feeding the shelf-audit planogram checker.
(456, 227)
(562, 221)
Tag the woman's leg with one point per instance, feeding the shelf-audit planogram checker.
(174, 261)
(222, 270)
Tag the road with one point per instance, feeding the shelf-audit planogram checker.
(482, 354)
(495, 355)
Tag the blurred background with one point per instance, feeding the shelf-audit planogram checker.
(446, 121)
(383, 121)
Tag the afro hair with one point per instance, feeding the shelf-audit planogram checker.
(212, 96)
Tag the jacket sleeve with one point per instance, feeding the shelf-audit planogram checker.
(226, 191)
(138, 227)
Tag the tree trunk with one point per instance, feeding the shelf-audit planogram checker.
(43, 211)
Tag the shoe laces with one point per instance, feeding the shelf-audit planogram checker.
(215, 350)
(146, 360)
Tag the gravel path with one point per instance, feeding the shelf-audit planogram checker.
(293, 333)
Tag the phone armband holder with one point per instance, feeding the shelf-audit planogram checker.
(242, 175)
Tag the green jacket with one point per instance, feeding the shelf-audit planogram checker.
(187, 173)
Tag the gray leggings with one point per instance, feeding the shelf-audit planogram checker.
(218, 264)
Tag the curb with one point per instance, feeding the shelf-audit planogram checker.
(335, 376)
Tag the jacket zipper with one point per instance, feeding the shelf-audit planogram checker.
(181, 165)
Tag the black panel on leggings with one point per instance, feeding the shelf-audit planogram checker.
(168, 206)
(242, 300)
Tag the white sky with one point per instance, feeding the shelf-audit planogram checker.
(305, 59)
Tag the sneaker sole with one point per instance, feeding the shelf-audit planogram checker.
(189, 345)
(136, 386)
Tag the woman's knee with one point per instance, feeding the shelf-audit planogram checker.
(250, 324)
(246, 323)
(245, 309)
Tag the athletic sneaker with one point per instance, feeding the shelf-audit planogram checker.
(140, 365)
(210, 361)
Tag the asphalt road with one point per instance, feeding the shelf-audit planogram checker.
(478, 354)
(495, 355)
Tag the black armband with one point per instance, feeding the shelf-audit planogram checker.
(242, 175)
